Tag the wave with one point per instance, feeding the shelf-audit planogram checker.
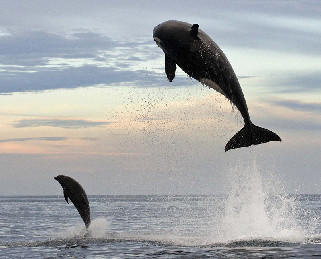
(85, 242)
(99, 233)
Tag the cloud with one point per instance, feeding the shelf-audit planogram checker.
(295, 124)
(34, 50)
(290, 82)
(299, 105)
(37, 61)
(40, 139)
(273, 32)
(58, 123)
(288, 115)
(71, 77)
(275, 25)
(26, 45)
(47, 59)
(301, 82)
(32, 139)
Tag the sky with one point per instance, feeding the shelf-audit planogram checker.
(83, 93)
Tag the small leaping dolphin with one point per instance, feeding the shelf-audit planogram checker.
(74, 191)
(199, 56)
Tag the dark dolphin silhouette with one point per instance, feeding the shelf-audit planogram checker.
(74, 191)
(199, 56)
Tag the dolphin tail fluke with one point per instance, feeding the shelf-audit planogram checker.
(251, 135)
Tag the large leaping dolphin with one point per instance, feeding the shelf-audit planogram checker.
(74, 191)
(199, 56)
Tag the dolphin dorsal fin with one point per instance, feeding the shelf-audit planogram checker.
(194, 30)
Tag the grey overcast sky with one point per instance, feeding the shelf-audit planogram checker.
(83, 93)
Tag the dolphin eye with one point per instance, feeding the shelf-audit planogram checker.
(157, 39)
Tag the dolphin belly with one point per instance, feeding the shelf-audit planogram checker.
(212, 84)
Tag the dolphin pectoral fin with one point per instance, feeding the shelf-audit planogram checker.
(251, 135)
(170, 68)
(66, 195)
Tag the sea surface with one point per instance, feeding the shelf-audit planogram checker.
(243, 224)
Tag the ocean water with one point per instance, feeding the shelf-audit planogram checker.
(254, 220)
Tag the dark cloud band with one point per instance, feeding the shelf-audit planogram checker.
(66, 124)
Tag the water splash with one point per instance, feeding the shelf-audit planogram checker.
(258, 208)
(98, 228)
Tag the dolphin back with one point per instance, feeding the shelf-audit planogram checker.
(74, 191)
(249, 135)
